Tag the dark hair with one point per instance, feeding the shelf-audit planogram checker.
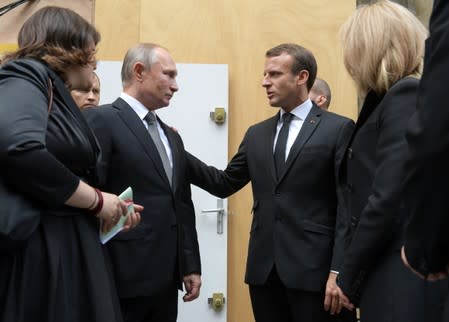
(58, 36)
(303, 59)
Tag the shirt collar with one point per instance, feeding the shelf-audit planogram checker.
(138, 107)
(300, 111)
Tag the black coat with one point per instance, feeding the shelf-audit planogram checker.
(427, 172)
(164, 246)
(61, 274)
(297, 222)
(374, 170)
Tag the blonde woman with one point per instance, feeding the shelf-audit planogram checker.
(383, 46)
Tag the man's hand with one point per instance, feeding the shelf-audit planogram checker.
(192, 284)
(331, 299)
(431, 277)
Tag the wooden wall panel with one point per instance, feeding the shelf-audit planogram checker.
(236, 33)
(119, 24)
(11, 22)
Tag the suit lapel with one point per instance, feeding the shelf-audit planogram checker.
(308, 127)
(135, 125)
(272, 124)
(369, 105)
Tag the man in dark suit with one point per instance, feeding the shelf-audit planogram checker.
(139, 150)
(298, 232)
(426, 247)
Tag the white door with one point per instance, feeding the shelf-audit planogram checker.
(202, 88)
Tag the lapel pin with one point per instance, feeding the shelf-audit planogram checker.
(312, 121)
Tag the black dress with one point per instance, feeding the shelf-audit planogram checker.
(61, 274)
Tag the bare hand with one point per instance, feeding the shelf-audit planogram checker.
(133, 218)
(431, 277)
(192, 284)
(113, 208)
(331, 299)
(344, 300)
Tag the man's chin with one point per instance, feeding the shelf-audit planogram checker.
(274, 104)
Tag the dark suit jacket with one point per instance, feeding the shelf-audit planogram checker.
(427, 171)
(164, 246)
(373, 175)
(296, 225)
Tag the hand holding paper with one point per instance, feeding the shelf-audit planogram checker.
(127, 221)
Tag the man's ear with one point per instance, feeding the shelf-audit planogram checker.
(138, 70)
(303, 77)
(321, 100)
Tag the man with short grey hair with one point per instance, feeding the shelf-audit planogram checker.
(151, 262)
(320, 93)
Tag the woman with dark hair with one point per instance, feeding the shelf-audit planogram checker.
(49, 156)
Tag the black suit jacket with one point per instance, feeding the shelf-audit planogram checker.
(164, 246)
(373, 176)
(427, 171)
(296, 224)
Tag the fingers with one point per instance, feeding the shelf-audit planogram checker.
(335, 303)
(331, 298)
(437, 276)
(192, 284)
(107, 225)
(132, 221)
(405, 261)
(332, 302)
(138, 208)
(123, 207)
(327, 302)
(345, 302)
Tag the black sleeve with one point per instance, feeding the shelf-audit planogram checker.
(25, 162)
(221, 183)
(342, 221)
(426, 187)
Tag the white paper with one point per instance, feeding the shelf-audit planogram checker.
(127, 196)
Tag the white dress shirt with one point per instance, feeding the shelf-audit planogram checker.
(299, 115)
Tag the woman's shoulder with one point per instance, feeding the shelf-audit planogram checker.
(26, 68)
(406, 83)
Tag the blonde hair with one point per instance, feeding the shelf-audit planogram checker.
(382, 43)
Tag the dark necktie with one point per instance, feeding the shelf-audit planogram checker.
(281, 143)
(154, 133)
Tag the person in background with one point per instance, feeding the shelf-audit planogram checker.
(151, 262)
(299, 228)
(320, 93)
(383, 48)
(87, 95)
(61, 273)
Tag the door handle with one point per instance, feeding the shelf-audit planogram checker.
(220, 213)
(218, 115)
(217, 301)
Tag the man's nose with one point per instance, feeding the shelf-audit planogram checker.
(174, 87)
(91, 96)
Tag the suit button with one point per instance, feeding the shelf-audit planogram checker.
(350, 154)
(349, 187)
(354, 221)
(278, 217)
